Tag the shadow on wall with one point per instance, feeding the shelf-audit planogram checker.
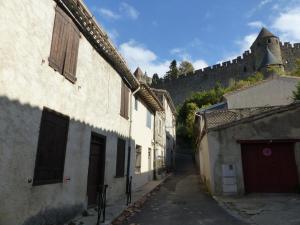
(52, 203)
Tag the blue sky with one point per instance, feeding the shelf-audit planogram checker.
(150, 34)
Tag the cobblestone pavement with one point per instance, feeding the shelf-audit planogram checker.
(182, 200)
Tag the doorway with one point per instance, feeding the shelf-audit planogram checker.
(96, 168)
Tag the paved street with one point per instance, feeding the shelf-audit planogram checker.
(182, 200)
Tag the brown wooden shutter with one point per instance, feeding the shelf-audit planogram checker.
(51, 151)
(72, 52)
(59, 40)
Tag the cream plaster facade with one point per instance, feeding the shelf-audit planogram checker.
(142, 136)
(27, 84)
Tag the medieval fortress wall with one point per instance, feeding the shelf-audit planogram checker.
(237, 69)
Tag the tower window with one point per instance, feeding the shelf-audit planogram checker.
(245, 69)
(269, 40)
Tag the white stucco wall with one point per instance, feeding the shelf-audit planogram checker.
(273, 92)
(224, 149)
(27, 84)
(143, 136)
(170, 133)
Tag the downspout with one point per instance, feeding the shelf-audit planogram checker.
(130, 139)
(154, 148)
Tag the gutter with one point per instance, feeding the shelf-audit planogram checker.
(130, 139)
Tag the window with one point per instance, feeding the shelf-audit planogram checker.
(64, 46)
(269, 41)
(120, 167)
(50, 158)
(138, 158)
(136, 102)
(124, 101)
(245, 69)
(148, 122)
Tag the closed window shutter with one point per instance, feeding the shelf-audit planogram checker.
(120, 167)
(59, 40)
(72, 52)
(51, 151)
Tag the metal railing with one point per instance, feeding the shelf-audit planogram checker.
(101, 202)
(128, 190)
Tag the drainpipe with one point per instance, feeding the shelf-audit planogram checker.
(130, 139)
(154, 148)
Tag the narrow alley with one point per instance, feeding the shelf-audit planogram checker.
(182, 200)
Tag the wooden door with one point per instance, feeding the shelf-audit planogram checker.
(96, 168)
(269, 167)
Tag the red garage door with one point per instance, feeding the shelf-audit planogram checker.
(269, 167)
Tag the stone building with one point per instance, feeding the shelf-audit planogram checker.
(169, 126)
(67, 123)
(245, 151)
(267, 50)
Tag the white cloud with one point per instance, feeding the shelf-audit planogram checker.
(246, 42)
(108, 14)
(256, 24)
(199, 64)
(288, 24)
(138, 55)
(262, 4)
(129, 10)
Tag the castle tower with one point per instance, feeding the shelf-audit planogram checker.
(266, 51)
(138, 74)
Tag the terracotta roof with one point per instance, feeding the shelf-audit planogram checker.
(98, 39)
(169, 98)
(234, 117)
(148, 96)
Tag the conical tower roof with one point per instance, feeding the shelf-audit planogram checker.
(270, 59)
(138, 73)
(264, 32)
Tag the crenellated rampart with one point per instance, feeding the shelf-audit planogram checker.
(225, 72)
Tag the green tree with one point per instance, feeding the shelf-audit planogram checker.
(173, 71)
(185, 68)
(297, 92)
(296, 72)
(155, 78)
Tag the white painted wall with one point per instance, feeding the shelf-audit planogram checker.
(143, 136)
(27, 84)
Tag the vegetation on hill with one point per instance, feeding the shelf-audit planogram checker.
(296, 72)
(297, 92)
(186, 112)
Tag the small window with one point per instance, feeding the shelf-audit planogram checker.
(136, 102)
(124, 101)
(50, 158)
(269, 41)
(138, 158)
(245, 69)
(64, 46)
(120, 165)
(149, 119)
